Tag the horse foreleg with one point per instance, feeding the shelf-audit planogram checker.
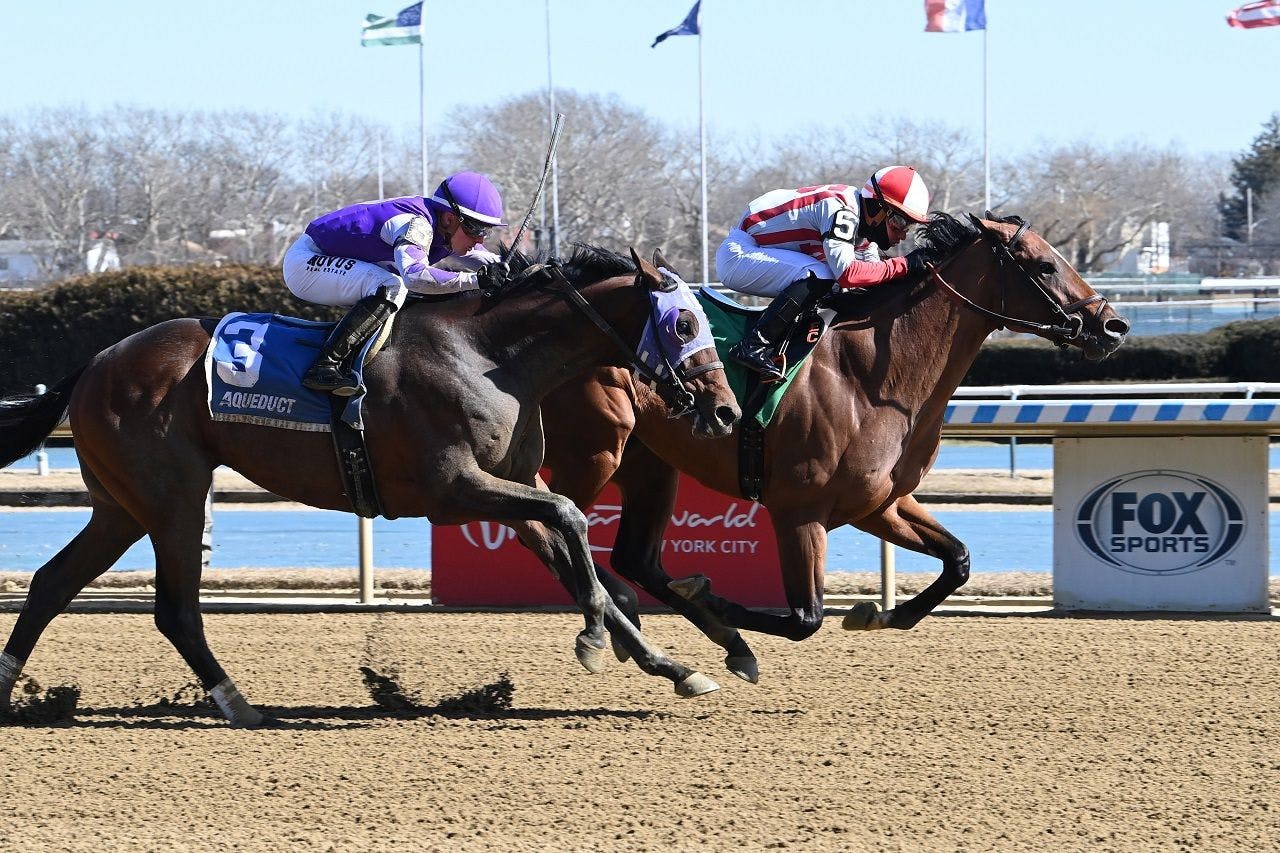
(556, 530)
(648, 488)
(103, 540)
(802, 549)
(906, 523)
(581, 479)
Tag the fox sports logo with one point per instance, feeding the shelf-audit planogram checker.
(1160, 522)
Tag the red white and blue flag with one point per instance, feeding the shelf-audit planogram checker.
(954, 16)
(1265, 13)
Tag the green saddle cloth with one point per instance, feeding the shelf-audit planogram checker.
(727, 328)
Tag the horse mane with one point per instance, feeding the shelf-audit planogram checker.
(944, 235)
(587, 264)
(941, 237)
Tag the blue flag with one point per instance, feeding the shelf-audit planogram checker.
(688, 27)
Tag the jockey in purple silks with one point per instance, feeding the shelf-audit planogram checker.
(369, 256)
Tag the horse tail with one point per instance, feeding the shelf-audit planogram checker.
(27, 419)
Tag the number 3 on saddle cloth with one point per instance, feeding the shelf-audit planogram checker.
(254, 368)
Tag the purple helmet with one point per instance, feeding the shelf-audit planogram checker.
(472, 195)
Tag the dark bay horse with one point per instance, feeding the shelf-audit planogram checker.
(453, 428)
(851, 440)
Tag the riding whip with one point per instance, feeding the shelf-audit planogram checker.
(537, 194)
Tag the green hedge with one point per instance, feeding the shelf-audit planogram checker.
(48, 333)
(1237, 352)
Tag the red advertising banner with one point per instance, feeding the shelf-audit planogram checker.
(730, 540)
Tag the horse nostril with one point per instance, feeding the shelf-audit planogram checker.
(727, 415)
(1116, 327)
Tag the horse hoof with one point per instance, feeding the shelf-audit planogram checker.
(744, 666)
(263, 722)
(696, 684)
(865, 616)
(619, 651)
(591, 658)
(691, 587)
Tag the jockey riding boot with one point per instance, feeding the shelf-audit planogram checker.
(758, 349)
(329, 372)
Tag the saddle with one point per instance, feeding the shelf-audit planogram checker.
(758, 400)
(253, 368)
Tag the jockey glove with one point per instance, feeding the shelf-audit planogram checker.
(492, 278)
(916, 261)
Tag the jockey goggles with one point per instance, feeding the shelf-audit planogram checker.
(470, 227)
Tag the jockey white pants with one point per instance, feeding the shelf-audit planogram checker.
(327, 280)
(747, 267)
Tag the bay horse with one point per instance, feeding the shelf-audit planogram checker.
(850, 441)
(454, 434)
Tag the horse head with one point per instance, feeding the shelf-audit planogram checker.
(1031, 287)
(652, 318)
(678, 348)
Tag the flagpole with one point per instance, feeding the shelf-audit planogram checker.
(553, 239)
(702, 151)
(986, 127)
(422, 93)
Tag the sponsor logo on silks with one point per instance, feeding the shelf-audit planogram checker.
(330, 262)
(1160, 522)
(258, 402)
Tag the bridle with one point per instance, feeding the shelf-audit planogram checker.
(670, 387)
(1069, 327)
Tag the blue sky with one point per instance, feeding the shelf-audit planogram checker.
(1152, 71)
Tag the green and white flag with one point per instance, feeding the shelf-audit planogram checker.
(404, 28)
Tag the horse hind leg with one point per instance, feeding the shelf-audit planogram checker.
(177, 611)
(104, 539)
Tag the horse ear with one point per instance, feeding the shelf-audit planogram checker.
(646, 270)
(977, 223)
(661, 263)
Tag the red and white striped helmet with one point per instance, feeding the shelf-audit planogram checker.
(900, 188)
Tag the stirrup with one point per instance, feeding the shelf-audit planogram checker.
(766, 367)
(327, 377)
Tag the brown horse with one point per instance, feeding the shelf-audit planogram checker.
(850, 441)
(454, 434)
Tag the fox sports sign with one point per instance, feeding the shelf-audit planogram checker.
(1160, 522)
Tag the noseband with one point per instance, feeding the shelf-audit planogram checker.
(1070, 324)
(671, 388)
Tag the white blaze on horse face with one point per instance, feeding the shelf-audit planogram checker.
(1059, 256)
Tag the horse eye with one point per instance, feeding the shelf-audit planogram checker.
(686, 329)
(1047, 268)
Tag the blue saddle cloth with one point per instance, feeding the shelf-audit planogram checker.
(254, 367)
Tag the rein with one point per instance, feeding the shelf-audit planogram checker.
(1071, 326)
(671, 388)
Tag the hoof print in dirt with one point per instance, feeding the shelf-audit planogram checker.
(492, 698)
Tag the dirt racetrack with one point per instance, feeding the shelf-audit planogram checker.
(968, 733)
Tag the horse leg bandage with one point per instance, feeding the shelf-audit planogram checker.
(9, 670)
(233, 705)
